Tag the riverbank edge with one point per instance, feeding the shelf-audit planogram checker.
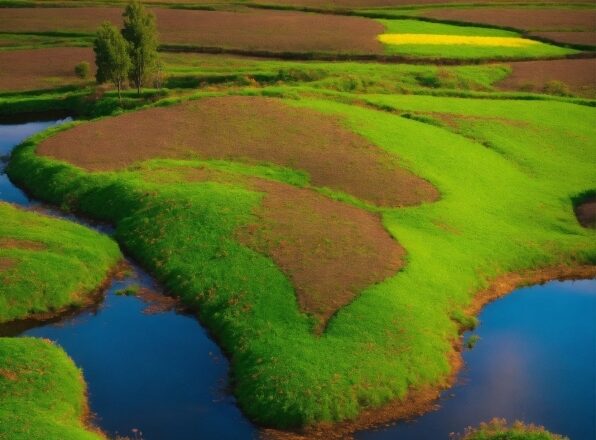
(416, 402)
(422, 400)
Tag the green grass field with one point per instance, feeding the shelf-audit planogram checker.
(54, 264)
(508, 167)
(42, 391)
(483, 226)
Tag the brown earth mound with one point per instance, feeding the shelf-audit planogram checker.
(329, 250)
(525, 19)
(249, 129)
(578, 75)
(42, 68)
(252, 30)
(586, 213)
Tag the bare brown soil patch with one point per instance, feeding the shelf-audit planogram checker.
(525, 19)
(14, 243)
(41, 68)
(249, 30)
(586, 213)
(249, 129)
(578, 75)
(422, 400)
(8, 375)
(6, 263)
(330, 251)
(586, 38)
(339, 4)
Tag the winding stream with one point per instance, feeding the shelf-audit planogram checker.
(162, 374)
(156, 372)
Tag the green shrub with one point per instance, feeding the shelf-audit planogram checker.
(558, 88)
(498, 429)
(83, 70)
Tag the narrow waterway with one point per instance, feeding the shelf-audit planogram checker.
(160, 372)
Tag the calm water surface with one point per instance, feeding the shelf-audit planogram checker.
(535, 361)
(162, 374)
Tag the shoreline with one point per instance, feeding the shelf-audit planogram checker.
(420, 401)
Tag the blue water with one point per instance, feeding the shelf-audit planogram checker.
(535, 361)
(163, 375)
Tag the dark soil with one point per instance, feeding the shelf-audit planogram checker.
(248, 129)
(548, 19)
(248, 30)
(42, 68)
(331, 251)
(578, 75)
(586, 213)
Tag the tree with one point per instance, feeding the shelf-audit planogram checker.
(141, 33)
(111, 56)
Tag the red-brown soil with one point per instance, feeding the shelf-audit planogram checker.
(42, 68)
(586, 38)
(531, 20)
(250, 30)
(6, 263)
(339, 4)
(248, 129)
(586, 213)
(578, 75)
(331, 251)
(13, 243)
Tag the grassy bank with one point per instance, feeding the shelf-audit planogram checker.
(42, 393)
(502, 210)
(47, 264)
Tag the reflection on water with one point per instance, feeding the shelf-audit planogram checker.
(535, 362)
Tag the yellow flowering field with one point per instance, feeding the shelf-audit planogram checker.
(399, 39)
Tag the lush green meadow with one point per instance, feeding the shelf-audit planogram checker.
(42, 391)
(398, 334)
(54, 264)
(507, 168)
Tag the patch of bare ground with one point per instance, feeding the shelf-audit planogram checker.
(6, 263)
(339, 4)
(537, 76)
(585, 38)
(331, 251)
(249, 129)
(548, 19)
(422, 400)
(8, 375)
(248, 30)
(42, 68)
(14, 243)
(586, 212)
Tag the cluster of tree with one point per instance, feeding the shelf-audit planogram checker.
(129, 54)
